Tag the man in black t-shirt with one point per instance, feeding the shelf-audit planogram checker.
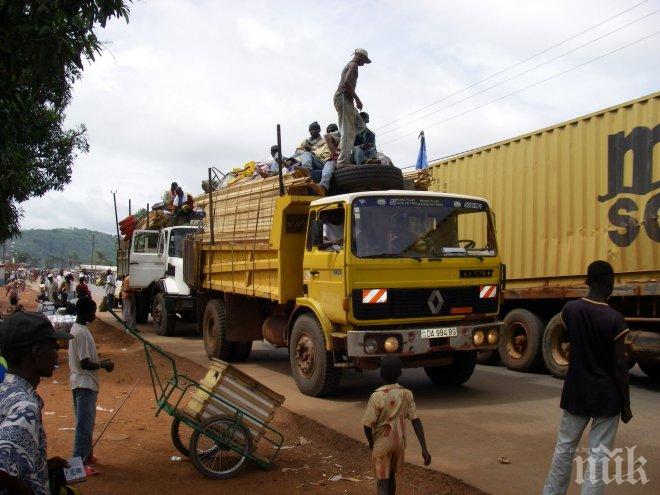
(596, 386)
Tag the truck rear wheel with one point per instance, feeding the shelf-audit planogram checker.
(651, 369)
(164, 322)
(555, 348)
(215, 331)
(312, 365)
(520, 345)
(457, 373)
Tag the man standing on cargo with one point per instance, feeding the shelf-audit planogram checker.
(384, 424)
(596, 386)
(350, 121)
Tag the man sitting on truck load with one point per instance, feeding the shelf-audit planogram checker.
(320, 184)
(364, 147)
(311, 152)
(596, 388)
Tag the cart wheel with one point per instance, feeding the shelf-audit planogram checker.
(223, 459)
(180, 436)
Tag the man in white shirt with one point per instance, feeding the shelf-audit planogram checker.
(110, 285)
(84, 379)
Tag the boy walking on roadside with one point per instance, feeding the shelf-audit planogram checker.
(596, 387)
(384, 424)
(84, 379)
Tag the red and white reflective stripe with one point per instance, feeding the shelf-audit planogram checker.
(374, 296)
(488, 291)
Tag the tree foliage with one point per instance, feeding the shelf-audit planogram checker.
(43, 44)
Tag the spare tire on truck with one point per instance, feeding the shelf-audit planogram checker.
(367, 177)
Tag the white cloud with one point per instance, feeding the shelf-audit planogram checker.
(193, 83)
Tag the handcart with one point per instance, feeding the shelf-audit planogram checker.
(228, 411)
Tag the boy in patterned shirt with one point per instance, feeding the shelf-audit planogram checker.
(384, 424)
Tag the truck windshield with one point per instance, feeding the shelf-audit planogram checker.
(176, 242)
(421, 227)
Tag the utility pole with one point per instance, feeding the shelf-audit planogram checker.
(114, 197)
(93, 236)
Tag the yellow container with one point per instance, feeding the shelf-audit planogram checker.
(241, 391)
(569, 194)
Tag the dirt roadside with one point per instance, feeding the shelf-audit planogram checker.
(136, 454)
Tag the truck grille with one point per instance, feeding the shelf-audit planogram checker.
(414, 303)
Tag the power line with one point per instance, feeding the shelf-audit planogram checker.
(513, 66)
(518, 75)
(527, 87)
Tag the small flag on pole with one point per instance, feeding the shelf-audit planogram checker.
(422, 162)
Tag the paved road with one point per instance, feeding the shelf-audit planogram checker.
(497, 413)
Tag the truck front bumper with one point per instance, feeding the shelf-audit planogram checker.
(414, 341)
(180, 303)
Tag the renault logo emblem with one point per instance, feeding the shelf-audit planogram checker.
(435, 301)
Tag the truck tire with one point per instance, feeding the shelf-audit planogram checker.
(164, 322)
(368, 177)
(488, 358)
(652, 370)
(457, 373)
(520, 345)
(142, 308)
(555, 356)
(312, 365)
(215, 331)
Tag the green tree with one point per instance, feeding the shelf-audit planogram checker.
(100, 259)
(43, 44)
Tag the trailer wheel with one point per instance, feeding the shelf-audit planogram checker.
(367, 177)
(488, 358)
(312, 365)
(520, 345)
(651, 369)
(164, 321)
(555, 348)
(457, 373)
(215, 331)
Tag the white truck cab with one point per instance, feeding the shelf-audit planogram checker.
(155, 266)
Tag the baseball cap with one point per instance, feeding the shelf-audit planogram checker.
(363, 52)
(25, 327)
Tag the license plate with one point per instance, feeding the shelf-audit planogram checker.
(436, 333)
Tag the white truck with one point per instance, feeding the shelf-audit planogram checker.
(154, 263)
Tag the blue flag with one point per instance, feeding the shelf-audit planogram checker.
(422, 162)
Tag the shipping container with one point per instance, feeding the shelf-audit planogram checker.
(564, 196)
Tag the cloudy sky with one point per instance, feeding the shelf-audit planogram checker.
(192, 83)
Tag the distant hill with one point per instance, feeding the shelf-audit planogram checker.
(55, 248)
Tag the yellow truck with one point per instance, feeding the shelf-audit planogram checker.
(343, 280)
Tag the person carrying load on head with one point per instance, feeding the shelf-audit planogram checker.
(350, 121)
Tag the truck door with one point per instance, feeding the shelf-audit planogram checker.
(324, 266)
(146, 263)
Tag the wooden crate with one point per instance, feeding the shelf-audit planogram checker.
(241, 391)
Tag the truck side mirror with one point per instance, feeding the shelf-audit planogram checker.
(317, 233)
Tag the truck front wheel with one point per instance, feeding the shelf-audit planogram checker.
(163, 321)
(457, 373)
(311, 364)
(520, 345)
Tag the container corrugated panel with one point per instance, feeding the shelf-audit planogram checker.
(566, 195)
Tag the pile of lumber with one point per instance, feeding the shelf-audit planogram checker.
(243, 212)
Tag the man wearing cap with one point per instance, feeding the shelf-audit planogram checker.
(29, 344)
(350, 121)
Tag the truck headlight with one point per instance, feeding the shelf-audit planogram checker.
(493, 336)
(478, 337)
(370, 346)
(391, 344)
